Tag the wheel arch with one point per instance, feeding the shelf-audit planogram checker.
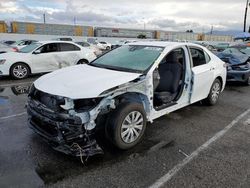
(135, 97)
(85, 60)
(221, 81)
(22, 63)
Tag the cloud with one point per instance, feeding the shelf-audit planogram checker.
(161, 14)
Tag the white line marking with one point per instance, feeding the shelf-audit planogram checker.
(16, 84)
(15, 115)
(164, 179)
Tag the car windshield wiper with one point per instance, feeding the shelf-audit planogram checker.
(110, 67)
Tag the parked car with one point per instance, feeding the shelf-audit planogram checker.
(7, 42)
(63, 39)
(238, 50)
(22, 43)
(221, 46)
(5, 48)
(121, 43)
(96, 50)
(42, 57)
(121, 91)
(238, 67)
(103, 45)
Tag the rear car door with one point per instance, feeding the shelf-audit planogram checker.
(202, 74)
(69, 55)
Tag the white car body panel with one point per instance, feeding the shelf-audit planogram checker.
(82, 81)
(45, 62)
(79, 82)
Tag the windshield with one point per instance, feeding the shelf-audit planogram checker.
(130, 58)
(29, 48)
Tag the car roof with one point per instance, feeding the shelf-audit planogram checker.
(163, 44)
(55, 41)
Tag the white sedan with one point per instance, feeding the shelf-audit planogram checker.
(103, 45)
(121, 91)
(42, 57)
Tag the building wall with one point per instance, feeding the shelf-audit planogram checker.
(50, 29)
(3, 27)
(222, 38)
(121, 32)
(174, 36)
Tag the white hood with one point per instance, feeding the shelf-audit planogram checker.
(82, 81)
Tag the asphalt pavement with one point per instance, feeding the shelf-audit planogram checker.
(27, 161)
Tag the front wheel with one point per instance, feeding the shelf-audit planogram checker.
(19, 71)
(214, 93)
(126, 125)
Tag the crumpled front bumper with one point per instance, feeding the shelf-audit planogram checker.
(62, 131)
(238, 75)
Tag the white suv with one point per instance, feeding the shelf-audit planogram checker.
(121, 91)
(45, 56)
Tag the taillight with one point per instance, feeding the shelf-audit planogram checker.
(15, 49)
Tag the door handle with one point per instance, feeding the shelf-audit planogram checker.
(212, 68)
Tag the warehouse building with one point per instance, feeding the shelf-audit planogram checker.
(123, 33)
(3, 27)
(51, 29)
(89, 31)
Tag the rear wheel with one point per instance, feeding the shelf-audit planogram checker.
(248, 81)
(126, 125)
(214, 93)
(107, 48)
(19, 71)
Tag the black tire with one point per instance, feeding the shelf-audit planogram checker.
(214, 93)
(82, 61)
(19, 71)
(114, 127)
(107, 48)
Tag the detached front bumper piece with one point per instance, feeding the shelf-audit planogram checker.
(62, 131)
(238, 75)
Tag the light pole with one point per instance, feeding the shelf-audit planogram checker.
(245, 18)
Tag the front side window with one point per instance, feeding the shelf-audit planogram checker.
(130, 58)
(48, 48)
(198, 57)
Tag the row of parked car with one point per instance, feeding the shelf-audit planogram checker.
(21, 58)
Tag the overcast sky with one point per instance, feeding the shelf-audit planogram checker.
(178, 15)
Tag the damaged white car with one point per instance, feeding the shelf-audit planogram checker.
(44, 56)
(121, 91)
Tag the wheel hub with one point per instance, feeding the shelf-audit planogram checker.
(132, 127)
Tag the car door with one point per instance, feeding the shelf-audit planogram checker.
(44, 59)
(69, 55)
(202, 74)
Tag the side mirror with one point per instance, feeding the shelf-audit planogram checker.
(37, 52)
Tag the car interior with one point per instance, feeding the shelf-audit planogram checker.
(169, 79)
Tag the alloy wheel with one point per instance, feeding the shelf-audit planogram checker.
(20, 71)
(216, 91)
(132, 127)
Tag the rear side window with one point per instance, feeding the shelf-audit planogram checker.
(199, 57)
(68, 47)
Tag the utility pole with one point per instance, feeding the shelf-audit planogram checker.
(245, 18)
(44, 18)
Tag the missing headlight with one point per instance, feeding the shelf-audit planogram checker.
(83, 105)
